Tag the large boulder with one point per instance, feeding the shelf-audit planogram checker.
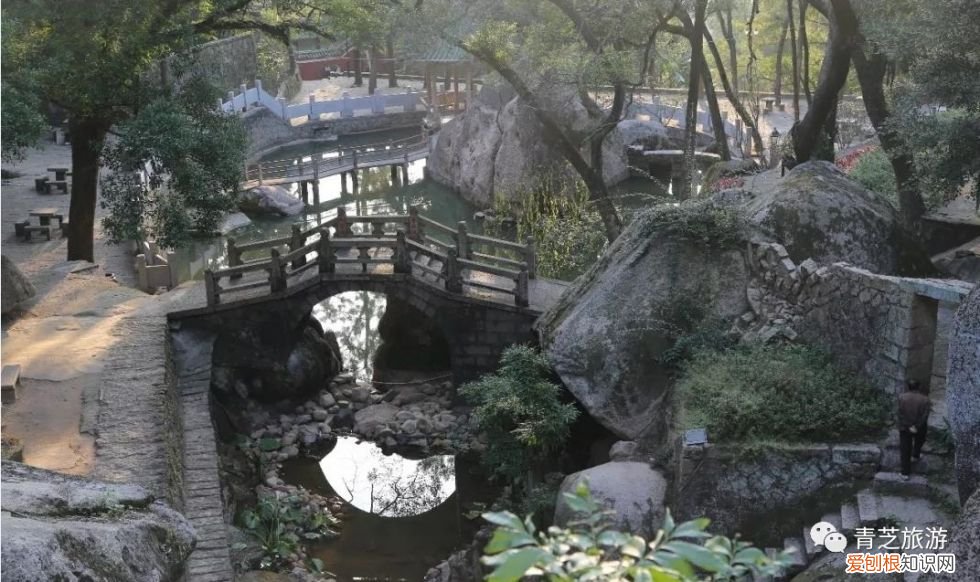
(15, 287)
(270, 200)
(818, 213)
(634, 492)
(498, 148)
(962, 262)
(964, 543)
(60, 527)
(605, 335)
(963, 393)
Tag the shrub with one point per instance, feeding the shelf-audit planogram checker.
(874, 171)
(684, 319)
(788, 393)
(701, 222)
(590, 550)
(279, 523)
(521, 413)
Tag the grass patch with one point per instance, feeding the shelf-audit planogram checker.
(784, 393)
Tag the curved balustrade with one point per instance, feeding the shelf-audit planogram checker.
(408, 250)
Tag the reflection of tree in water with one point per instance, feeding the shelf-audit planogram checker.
(389, 485)
(354, 318)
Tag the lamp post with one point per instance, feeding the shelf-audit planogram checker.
(773, 148)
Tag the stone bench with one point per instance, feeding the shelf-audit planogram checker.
(10, 377)
(59, 184)
(30, 229)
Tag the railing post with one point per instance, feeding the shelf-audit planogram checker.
(296, 242)
(259, 165)
(244, 89)
(211, 288)
(234, 257)
(414, 226)
(454, 278)
(343, 227)
(463, 241)
(520, 293)
(277, 278)
(309, 116)
(221, 104)
(378, 229)
(325, 257)
(258, 89)
(531, 257)
(403, 261)
(283, 108)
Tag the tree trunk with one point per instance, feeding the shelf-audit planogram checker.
(796, 60)
(358, 74)
(732, 49)
(390, 50)
(373, 75)
(717, 122)
(805, 51)
(87, 137)
(694, 81)
(833, 75)
(777, 87)
(871, 75)
(732, 94)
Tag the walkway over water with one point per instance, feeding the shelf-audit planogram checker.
(389, 248)
(337, 161)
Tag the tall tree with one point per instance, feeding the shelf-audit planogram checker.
(93, 59)
(795, 59)
(694, 81)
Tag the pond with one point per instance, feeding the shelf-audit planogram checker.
(404, 515)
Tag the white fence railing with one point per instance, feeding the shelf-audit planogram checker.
(347, 106)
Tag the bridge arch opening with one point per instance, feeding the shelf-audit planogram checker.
(383, 338)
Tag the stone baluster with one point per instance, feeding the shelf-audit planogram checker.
(521, 290)
(415, 226)
(234, 256)
(454, 276)
(277, 275)
(325, 257)
(403, 261)
(343, 226)
(531, 257)
(463, 241)
(378, 229)
(296, 242)
(211, 288)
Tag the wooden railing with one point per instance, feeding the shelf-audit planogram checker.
(335, 242)
(339, 160)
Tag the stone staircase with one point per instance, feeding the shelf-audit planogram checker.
(887, 499)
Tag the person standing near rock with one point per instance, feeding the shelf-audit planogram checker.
(913, 418)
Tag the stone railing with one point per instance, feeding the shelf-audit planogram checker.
(153, 267)
(347, 106)
(334, 244)
(339, 160)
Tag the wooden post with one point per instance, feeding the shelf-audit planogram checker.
(520, 292)
(353, 176)
(531, 257)
(296, 242)
(325, 254)
(304, 191)
(277, 278)
(211, 288)
(316, 192)
(469, 84)
(343, 183)
(454, 278)
(456, 89)
(414, 226)
(343, 227)
(463, 241)
(234, 256)
(260, 171)
(403, 261)
(394, 175)
(405, 172)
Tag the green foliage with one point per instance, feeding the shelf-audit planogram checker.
(784, 393)
(520, 411)
(567, 230)
(588, 549)
(873, 170)
(279, 524)
(701, 223)
(194, 154)
(685, 320)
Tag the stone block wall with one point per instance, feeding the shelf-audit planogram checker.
(890, 329)
(228, 62)
(743, 490)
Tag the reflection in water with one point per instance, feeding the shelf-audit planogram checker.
(353, 317)
(388, 485)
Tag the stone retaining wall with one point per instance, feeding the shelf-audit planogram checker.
(268, 131)
(228, 62)
(738, 489)
(890, 329)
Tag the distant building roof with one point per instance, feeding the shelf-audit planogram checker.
(442, 52)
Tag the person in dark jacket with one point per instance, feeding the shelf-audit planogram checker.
(913, 419)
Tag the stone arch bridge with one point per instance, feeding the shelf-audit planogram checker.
(479, 306)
